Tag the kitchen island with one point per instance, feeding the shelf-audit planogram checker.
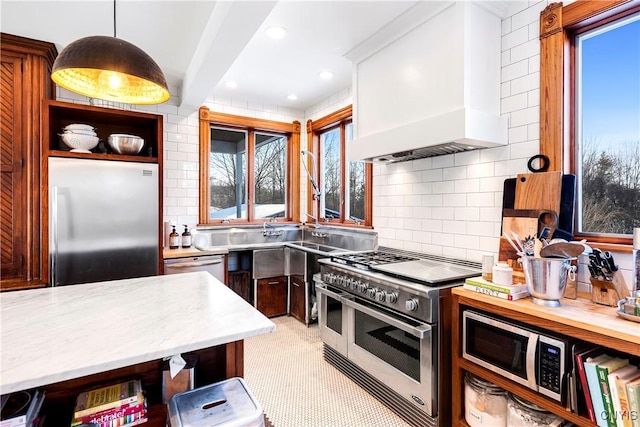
(71, 338)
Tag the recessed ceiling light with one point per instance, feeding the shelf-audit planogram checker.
(231, 84)
(292, 97)
(276, 33)
(325, 75)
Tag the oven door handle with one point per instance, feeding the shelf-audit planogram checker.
(422, 331)
(322, 288)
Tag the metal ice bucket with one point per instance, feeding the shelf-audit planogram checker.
(546, 278)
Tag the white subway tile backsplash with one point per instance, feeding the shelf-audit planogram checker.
(513, 70)
(467, 185)
(513, 103)
(525, 50)
(458, 172)
(515, 38)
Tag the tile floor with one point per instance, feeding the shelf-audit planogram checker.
(297, 388)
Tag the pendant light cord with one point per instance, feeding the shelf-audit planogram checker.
(114, 18)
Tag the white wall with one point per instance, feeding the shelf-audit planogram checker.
(449, 205)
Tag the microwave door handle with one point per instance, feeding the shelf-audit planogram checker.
(421, 331)
(532, 350)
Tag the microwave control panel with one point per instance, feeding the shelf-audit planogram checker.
(550, 358)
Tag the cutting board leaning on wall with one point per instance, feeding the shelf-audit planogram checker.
(530, 202)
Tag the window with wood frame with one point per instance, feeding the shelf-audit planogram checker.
(589, 110)
(344, 193)
(249, 169)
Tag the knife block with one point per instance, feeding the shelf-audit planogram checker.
(609, 292)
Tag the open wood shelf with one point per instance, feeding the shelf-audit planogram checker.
(102, 156)
(579, 319)
(107, 121)
(213, 364)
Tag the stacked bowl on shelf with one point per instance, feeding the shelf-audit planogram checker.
(81, 138)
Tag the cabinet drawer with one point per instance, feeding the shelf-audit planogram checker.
(271, 298)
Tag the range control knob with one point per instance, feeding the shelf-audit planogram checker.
(380, 296)
(362, 287)
(391, 297)
(411, 304)
(371, 292)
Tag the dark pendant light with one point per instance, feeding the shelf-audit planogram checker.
(112, 69)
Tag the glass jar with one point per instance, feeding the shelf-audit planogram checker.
(485, 404)
(523, 413)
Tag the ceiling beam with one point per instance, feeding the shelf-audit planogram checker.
(230, 27)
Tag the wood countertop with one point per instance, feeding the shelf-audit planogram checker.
(56, 334)
(579, 314)
(191, 252)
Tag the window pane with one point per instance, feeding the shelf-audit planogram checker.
(227, 174)
(355, 184)
(608, 129)
(330, 147)
(270, 176)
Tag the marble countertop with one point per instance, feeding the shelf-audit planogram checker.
(56, 334)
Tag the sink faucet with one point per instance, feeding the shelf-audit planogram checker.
(314, 218)
(270, 233)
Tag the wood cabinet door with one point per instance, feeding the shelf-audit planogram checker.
(240, 283)
(297, 305)
(13, 194)
(272, 296)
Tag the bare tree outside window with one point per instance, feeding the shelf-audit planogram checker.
(270, 176)
(227, 174)
(607, 127)
(330, 143)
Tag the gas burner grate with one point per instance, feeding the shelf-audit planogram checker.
(366, 259)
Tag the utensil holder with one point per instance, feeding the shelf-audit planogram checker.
(609, 292)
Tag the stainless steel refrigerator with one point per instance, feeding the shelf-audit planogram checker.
(103, 220)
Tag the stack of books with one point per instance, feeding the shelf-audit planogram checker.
(121, 404)
(508, 292)
(21, 408)
(611, 387)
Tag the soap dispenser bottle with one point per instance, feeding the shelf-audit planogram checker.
(186, 237)
(174, 239)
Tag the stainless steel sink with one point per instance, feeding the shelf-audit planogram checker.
(316, 247)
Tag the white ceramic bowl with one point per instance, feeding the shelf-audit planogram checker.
(79, 126)
(79, 143)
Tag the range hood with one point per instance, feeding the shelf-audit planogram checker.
(428, 84)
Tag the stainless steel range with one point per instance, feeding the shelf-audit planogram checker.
(384, 321)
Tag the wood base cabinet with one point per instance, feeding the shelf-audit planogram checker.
(240, 283)
(25, 83)
(297, 300)
(580, 319)
(271, 296)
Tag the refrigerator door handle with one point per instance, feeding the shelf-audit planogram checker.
(54, 235)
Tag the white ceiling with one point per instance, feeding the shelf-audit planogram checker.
(201, 44)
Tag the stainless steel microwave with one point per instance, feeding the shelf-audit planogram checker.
(528, 357)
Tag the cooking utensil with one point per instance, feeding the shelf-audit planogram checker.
(610, 262)
(125, 144)
(562, 250)
(518, 250)
(518, 240)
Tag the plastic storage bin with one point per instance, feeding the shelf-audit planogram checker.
(227, 403)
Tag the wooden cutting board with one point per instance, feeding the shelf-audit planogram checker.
(539, 191)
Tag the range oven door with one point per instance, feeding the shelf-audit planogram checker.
(332, 317)
(397, 350)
